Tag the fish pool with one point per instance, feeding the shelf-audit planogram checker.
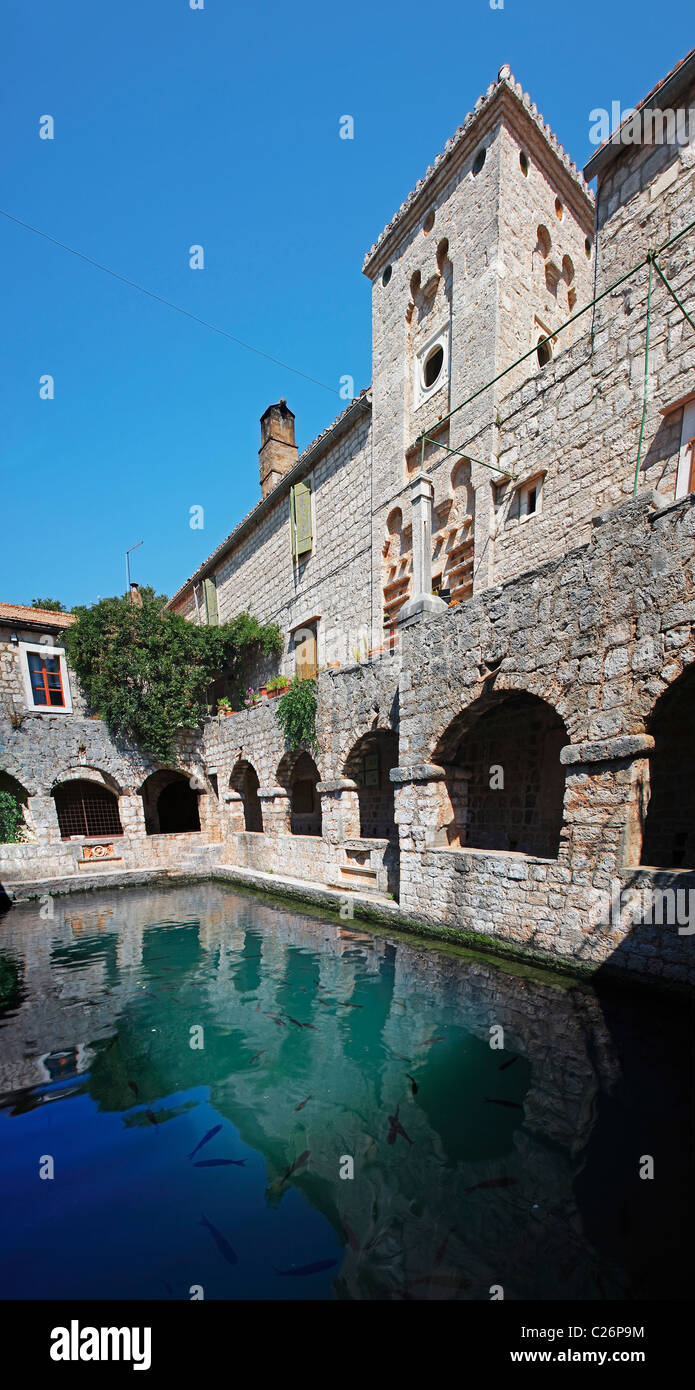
(207, 1093)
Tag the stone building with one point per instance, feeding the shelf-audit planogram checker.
(486, 559)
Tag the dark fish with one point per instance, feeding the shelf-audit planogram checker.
(346, 1004)
(352, 1238)
(510, 1063)
(396, 1128)
(205, 1139)
(219, 1162)
(294, 1020)
(256, 1055)
(152, 1117)
(298, 1163)
(429, 1041)
(314, 1268)
(302, 1104)
(401, 1058)
(491, 1182)
(276, 1018)
(326, 1003)
(222, 1245)
(133, 1088)
(400, 1002)
(510, 1104)
(257, 1009)
(413, 1083)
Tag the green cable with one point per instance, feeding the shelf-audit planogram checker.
(672, 292)
(650, 258)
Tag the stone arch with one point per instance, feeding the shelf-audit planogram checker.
(368, 764)
(299, 775)
(244, 780)
(504, 779)
(396, 566)
(170, 803)
(86, 806)
(78, 772)
(669, 830)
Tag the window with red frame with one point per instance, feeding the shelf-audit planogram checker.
(46, 680)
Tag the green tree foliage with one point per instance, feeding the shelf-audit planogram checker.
(51, 605)
(296, 715)
(147, 671)
(11, 819)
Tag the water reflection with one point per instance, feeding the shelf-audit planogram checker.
(154, 1017)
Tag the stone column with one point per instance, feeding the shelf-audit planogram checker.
(275, 803)
(234, 821)
(423, 600)
(606, 798)
(132, 814)
(340, 810)
(423, 809)
(45, 819)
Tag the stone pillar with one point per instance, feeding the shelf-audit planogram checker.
(45, 819)
(423, 809)
(275, 803)
(423, 600)
(606, 798)
(234, 821)
(132, 814)
(340, 810)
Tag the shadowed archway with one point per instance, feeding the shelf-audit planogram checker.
(669, 830)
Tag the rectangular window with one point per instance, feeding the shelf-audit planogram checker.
(301, 526)
(45, 677)
(685, 480)
(306, 651)
(210, 595)
(530, 496)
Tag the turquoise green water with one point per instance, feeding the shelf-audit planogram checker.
(366, 1140)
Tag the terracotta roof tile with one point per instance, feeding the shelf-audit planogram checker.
(19, 613)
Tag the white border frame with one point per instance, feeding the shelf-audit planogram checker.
(45, 650)
(425, 393)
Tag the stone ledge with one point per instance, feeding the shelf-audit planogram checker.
(607, 750)
(421, 772)
(339, 784)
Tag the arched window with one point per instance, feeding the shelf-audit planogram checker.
(244, 780)
(170, 803)
(299, 775)
(669, 831)
(86, 808)
(369, 764)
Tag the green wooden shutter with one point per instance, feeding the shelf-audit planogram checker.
(300, 518)
(210, 591)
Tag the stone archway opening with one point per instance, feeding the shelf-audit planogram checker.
(369, 763)
(669, 829)
(504, 778)
(86, 808)
(299, 775)
(244, 780)
(170, 803)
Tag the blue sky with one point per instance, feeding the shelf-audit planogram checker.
(220, 127)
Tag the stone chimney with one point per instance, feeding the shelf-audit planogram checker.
(278, 450)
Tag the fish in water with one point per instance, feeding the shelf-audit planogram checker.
(400, 1002)
(256, 1055)
(346, 1004)
(510, 1104)
(152, 1117)
(503, 1066)
(205, 1139)
(295, 1021)
(298, 1163)
(351, 1237)
(302, 1103)
(401, 1058)
(326, 1003)
(219, 1162)
(396, 1128)
(314, 1268)
(222, 1244)
(276, 1018)
(413, 1083)
(429, 1041)
(491, 1182)
(133, 1088)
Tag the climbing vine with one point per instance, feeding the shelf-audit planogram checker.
(12, 828)
(148, 671)
(296, 715)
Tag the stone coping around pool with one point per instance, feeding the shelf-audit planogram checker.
(369, 907)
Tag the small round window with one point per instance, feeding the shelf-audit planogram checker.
(432, 368)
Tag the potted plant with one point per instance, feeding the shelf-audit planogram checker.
(250, 697)
(277, 685)
(223, 706)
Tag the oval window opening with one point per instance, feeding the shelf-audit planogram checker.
(428, 223)
(433, 367)
(523, 161)
(543, 352)
(386, 275)
(478, 162)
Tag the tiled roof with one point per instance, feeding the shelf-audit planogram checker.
(505, 80)
(19, 613)
(610, 147)
(295, 472)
